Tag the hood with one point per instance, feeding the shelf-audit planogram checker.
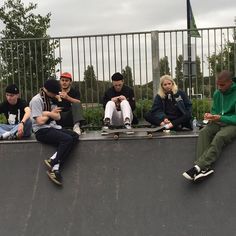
(231, 89)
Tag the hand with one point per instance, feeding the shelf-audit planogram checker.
(169, 125)
(166, 121)
(64, 95)
(207, 116)
(56, 110)
(58, 98)
(215, 118)
(210, 117)
(20, 130)
(122, 98)
(115, 99)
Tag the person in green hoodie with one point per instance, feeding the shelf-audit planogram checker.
(220, 130)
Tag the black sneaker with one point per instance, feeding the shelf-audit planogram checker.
(203, 173)
(49, 163)
(55, 176)
(191, 173)
(107, 123)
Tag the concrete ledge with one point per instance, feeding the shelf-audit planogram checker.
(96, 135)
(116, 187)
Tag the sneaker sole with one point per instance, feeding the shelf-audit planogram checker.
(47, 164)
(187, 176)
(53, 179)
(129, 132)
(202, 175)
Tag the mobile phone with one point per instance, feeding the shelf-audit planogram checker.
(61, 108)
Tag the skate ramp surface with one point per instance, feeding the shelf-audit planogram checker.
(112, 187)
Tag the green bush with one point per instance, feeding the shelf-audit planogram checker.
(94, 116)
(200, 107)
(2, 119)
(142, 106)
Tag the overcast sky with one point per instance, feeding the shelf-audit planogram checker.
(77, 17)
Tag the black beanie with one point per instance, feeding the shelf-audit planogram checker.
(117, 76)
(12, 88)
(52, 86)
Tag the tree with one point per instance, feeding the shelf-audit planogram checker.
(164, 66)
(25, 62)
(179, 75)
(90, 87)
(128, 78)
(223, 59)
(89, 77)
(199, 82)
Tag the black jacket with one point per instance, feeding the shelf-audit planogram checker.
(158, 111)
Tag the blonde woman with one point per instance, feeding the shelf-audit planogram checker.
(171, 106)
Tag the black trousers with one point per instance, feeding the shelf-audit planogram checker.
(178, 122)
(63, 139)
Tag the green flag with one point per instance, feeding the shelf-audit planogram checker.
(194, 32)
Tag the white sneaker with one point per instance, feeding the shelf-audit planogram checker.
(129, 128)
(6, 135)
(77, 129)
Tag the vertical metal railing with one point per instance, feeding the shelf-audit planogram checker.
(141, 56)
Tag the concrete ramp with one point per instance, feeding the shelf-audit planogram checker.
(128, 187)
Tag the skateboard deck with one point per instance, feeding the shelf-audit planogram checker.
(117, 132)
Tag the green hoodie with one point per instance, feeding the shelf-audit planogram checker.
(224, 104)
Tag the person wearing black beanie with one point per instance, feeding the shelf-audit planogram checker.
(17, 114)
(44, 116)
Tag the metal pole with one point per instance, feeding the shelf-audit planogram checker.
(155, 62)
(189, 49)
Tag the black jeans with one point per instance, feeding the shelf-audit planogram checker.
(178, 122)
(63, 139)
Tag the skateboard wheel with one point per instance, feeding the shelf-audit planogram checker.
(150, 135)
(116, 136)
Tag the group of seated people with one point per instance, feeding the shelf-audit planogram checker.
(57, 107)
(171, 108)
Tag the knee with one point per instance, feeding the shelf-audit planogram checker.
(75, 137)
(27, 128)
(125, 105)
(151, 119)
(124, 102)
(204, 132)
(110, 104)
(222, 138)
(76, 105)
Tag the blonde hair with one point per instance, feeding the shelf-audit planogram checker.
(161, 91)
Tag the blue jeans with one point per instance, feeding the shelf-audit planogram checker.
(14, 128)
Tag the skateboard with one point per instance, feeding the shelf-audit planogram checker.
(117, 132)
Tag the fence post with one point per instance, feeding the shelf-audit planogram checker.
(155, 61)
(1, 74)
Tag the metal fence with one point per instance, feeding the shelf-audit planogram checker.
(141, 56)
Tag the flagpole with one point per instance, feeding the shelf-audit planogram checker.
(189, 48)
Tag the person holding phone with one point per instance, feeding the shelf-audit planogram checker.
(219, 131)
(119, 103)
(44, 115)
(69, 101)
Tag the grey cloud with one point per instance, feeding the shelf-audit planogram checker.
(75, 17)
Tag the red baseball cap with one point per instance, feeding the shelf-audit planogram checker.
(66, 75)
